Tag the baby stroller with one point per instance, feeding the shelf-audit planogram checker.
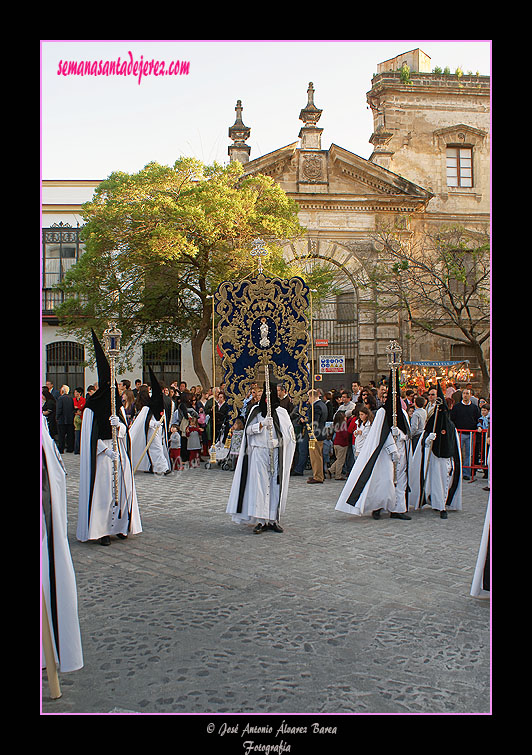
(230, 460)
(222, 447)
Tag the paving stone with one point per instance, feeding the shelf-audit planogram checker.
(338, 614)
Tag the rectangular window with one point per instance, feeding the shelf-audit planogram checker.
(345, 307)
(459, 166)
(61, 249)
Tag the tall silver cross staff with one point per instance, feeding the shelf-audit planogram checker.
(269, 415)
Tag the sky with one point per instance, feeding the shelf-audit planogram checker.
(94, 125)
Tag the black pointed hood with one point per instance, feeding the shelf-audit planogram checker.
(274, 398)
(100, 401)
(439, 422)
(156, 400)
(401, 420)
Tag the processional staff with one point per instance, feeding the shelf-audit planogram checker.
(269, 415)
(111, 338)
(311, 435)
(259, 250)
(212, 450)
(394, 362)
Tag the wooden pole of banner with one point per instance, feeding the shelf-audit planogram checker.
(212, 450)
(312, 436)
(51, 667)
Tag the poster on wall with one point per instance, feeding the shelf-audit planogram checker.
(331, 364)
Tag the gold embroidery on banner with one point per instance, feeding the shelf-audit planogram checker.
(264, 320)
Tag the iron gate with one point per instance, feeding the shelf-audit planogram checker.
(65, 364)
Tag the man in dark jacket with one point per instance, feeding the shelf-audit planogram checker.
(464, 416)
(284, 399)
(64, 416)
(318, 414)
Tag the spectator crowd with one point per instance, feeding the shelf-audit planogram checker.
(337, 422)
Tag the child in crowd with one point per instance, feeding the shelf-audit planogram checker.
(77, 430)
(237, 434)
(175, 448)
(202, 423)
(193, 433)
(364, 424)
(481, 447)
(484, 419)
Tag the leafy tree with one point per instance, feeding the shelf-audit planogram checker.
(160, 241)
(441, 280)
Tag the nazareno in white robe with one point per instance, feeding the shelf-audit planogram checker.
(403, 444)
(440, 473)
(371, 480)
(57, 569)
(264, 497)
(157, 457)
(481, 584)
(97, 515)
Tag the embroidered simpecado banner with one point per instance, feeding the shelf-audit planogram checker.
(263, 320)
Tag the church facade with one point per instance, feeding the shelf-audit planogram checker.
(420, 128)
(430, 166)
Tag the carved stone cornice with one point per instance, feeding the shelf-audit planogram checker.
(459, 134)
(273, 163)
(381, 180)
(326, 202)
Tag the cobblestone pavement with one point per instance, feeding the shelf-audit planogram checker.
(338, 614)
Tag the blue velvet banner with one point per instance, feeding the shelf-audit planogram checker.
(263, 321)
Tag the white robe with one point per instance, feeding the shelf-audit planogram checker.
(66, 636)
(104, 519)
(439, 475)
(379, 492)
(264, 498)
(157, 456)
(477, 589)
(404, 451)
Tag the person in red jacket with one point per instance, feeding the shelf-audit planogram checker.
(342, 440)
(353, 423)
(79, 399)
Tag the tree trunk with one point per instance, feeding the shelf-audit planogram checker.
(483, 369)
(197, 341)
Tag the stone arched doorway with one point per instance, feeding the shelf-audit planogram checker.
(336, 319)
